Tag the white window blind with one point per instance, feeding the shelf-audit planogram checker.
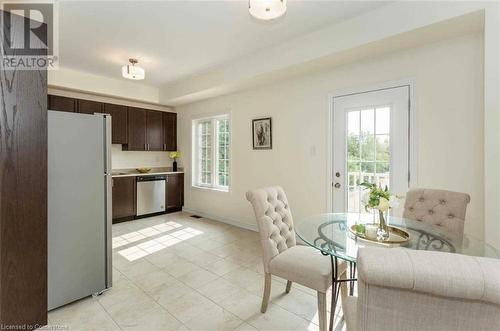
(211, 152)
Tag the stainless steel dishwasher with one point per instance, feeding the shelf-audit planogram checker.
(150, 194)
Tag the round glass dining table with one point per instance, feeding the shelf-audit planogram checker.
(330, 234)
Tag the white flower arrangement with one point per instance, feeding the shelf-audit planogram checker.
(378, 198)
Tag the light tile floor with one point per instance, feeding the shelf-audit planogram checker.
(174, 273)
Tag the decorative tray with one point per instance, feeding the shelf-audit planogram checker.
(397, 236)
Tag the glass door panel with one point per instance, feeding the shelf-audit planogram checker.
(365, 127)
(368, 150)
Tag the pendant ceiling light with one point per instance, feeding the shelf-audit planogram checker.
(267, 9)
(131, 71)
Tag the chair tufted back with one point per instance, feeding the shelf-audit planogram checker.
(274, 220)
(438, 207)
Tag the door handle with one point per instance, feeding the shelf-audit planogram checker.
(337, 185)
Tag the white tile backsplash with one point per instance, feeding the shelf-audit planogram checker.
(130, 159)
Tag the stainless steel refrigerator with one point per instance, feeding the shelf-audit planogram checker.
(79, 206)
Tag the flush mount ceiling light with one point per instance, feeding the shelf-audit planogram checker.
(267, 9)
(131, 71)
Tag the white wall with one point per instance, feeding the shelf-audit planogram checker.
(449, 99)
(492, 123)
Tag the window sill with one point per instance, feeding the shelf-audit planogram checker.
(208, 188)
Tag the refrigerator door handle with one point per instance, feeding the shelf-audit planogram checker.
(107, 144)
(108, 183)
(109, 230)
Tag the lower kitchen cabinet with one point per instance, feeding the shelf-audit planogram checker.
(175, 192)
(124, 198)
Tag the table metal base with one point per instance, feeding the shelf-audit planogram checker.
(337, 282)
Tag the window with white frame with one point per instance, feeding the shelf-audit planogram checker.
(211, 151)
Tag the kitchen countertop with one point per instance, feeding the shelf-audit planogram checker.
(154, 171)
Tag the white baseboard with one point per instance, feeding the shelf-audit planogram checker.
(252, 227)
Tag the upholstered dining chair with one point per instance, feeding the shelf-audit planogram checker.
(446, 292)
(438, 207)
(282, 257)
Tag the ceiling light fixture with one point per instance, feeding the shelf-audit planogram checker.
(267, 9)
(131, 71)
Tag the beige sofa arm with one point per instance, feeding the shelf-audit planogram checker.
(402, 289)
(443, 274)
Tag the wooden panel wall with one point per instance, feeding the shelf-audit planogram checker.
(23, 196)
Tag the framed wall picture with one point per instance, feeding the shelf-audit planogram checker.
(262, 132)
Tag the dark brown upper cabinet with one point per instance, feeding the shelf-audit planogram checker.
(118, 122)
(136, 129)
(154, 131)
(89, 106)
(169, 131)
(151, 130)
(56, 102)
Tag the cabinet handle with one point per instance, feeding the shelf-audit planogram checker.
(145, 147)
(164, 147)
(148, 147)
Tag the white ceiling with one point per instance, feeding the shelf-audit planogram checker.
(175, 39)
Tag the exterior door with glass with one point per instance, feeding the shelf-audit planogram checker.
(371, 133)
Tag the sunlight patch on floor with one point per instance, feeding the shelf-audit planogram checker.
(154, 245)
(138, 235)
(312, 325)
